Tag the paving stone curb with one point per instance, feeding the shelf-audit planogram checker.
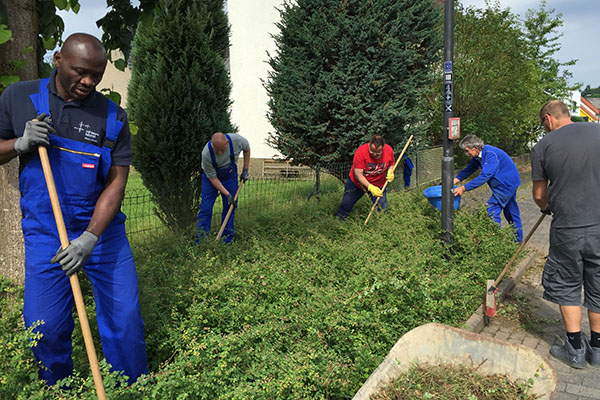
(476, 321)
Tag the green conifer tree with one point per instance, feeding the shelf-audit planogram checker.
(178, 97)
(346, 70)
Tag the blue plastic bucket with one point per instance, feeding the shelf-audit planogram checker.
(434, 195)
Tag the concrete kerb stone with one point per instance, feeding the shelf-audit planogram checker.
(476, 321)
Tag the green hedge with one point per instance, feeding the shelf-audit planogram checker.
(301, 306)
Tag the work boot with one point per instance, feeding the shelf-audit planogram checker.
(592, 354)
(566, 353)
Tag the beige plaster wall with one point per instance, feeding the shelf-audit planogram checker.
(116, 80)
(252, 23)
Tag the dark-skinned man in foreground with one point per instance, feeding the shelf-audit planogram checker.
(88, 142)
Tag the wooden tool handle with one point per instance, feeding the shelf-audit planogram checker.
(229, 212)
(539, 221)
(80, 305)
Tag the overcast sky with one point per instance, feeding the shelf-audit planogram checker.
(581, 29)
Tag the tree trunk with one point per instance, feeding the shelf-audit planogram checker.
(23, 22)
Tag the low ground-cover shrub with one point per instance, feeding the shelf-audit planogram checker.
(300, 306)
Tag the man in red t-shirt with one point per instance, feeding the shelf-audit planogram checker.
(369, 172)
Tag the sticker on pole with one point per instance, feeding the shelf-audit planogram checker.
(447, 66)
(453, 128)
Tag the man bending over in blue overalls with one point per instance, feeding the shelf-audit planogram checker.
(88, 141)
(501, 175)
(219, 175)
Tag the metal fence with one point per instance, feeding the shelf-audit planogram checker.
(280, 185)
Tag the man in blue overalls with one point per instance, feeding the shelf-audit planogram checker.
(500, 173)
(88, 141)
(219, 175)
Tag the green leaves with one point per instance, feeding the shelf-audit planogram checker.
(61, 4)
(6, 80)
(49, 43)
(68, 5)
(120, 64)
(111, 94)
(301, 306)
(345, 71)
(5, 34)
(178, 97)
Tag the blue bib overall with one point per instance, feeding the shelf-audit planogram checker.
(228, 177)
(502, 176)
(79, 171)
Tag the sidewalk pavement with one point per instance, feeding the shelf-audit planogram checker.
(541, 318)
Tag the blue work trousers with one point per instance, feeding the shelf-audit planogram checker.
(352, 194)
(511, 213)
(209, 195)
(49, 298)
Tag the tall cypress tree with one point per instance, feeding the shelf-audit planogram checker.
(347, 69)
(178, 97)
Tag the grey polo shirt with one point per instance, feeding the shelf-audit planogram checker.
(239, 144)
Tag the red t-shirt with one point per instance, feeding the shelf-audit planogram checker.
(374, 170)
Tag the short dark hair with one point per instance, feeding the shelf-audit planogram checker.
(555, 108)
(377, 141)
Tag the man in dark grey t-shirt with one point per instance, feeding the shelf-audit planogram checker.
(565, 168)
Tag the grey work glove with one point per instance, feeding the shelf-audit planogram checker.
(76, 254)
(35, 134)
(244, 175)
(231, 201)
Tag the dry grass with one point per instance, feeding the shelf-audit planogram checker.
(450, 382)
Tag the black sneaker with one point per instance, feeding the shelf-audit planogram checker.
(592, 354)
(566, 353)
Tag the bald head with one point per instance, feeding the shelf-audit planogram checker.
(83, 43)
(80, 66)
(219, 142)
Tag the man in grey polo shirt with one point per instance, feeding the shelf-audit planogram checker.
(565, 168)
(219, 166)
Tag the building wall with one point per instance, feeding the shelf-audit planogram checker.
(116, 80)
(575, 105)
(252, 24)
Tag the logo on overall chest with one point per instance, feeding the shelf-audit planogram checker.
(87, 132)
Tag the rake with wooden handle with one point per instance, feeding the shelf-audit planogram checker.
(492, 286)
(229, 212)
(64, 242)
(386, 182)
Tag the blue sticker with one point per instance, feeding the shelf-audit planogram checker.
(447, 66)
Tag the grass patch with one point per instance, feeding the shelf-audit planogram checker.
(450, 382)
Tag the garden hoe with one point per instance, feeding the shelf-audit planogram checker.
(386, 182)
(64, 241)
(229, 212)
(490, 293)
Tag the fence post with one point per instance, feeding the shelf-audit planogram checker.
(316, 190)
